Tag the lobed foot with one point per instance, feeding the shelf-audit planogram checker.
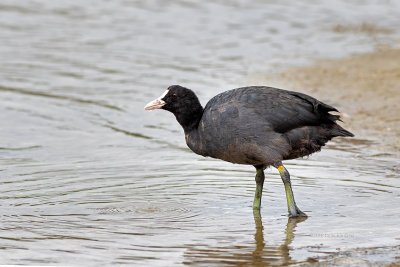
(297, 213)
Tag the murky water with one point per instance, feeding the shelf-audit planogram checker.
(88, 177)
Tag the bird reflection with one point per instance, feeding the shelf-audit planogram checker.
(282, 253)
(257, 253)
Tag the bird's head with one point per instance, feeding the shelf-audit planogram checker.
(182, 102)
(175, 99)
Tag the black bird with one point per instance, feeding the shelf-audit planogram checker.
(256, 125)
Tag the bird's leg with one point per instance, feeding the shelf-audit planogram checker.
(259, 187)
(294, 211)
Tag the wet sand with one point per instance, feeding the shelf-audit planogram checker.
(359, 257)
(364, 87)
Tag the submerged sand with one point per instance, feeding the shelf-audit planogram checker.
(364, 87)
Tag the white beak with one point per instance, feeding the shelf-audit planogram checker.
(157, 103)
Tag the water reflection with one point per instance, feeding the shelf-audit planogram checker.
(257, 253)
(281, 254)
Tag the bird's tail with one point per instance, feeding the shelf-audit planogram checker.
(337, 130)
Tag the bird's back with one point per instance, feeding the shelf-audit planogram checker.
(263, 125)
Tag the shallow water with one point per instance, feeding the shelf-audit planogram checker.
(88, 177)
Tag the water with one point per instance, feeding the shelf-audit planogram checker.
(88, 177)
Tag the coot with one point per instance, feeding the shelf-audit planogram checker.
(256, 125)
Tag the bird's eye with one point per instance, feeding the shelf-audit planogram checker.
(175, 96)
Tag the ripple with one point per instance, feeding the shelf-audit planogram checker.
(20, 148)
(180, 216)
(62, 97)
(128, 132)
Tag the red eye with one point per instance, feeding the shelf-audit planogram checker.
(175, 96)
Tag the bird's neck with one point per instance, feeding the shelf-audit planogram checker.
(189, 120)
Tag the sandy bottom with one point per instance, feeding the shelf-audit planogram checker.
(364, 87)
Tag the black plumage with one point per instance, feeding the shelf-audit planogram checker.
(257, 125)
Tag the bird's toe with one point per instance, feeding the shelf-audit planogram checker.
(298, 213)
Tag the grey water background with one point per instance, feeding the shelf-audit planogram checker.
(87, 177)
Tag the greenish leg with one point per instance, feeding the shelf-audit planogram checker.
(259, 187)
(294, 211)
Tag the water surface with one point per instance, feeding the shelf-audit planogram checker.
(88, 177)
